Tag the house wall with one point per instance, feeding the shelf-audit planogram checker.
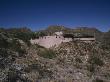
(85, 39)
(67, 39)
(49, 41)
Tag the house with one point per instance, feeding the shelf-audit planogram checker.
(57, 38)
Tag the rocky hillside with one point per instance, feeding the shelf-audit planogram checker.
(84, 62)
(76, 61)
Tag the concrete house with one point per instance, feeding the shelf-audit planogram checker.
(57, 38)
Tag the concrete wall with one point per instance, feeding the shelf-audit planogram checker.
(85, 39)
(67, 39)
(49, 41)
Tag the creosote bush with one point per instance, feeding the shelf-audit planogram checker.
(46, 53)
(96, 61)
(91, 68)
(98, 80)
(78, 60)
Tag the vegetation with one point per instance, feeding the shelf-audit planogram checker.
(78, 60)
(105, 41)
(96, 61)
(24, 34)
(46, 53)
(98, 80)
(20, 61)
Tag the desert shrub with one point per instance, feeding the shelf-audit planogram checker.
(107, 74)
(39, 46)
(15, 76)
(4, 53)
(36, 46)
(27, 69)
(91, 68)
(47, 53)
(97, 80)
(44, 73)
(105, 40)
(4, 40)
(3, 43)
(15, 45)
(24, 34)
(96, 61)
(12, 76)
(31, 67)
(78, 60)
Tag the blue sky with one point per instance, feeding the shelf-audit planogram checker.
(39, 14)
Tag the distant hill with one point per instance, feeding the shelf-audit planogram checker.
(55, 28)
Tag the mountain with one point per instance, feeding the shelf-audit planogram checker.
(56, 28)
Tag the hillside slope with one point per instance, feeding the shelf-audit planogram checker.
(73, 62)
(69, 62)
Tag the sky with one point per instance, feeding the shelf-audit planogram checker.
(39, 14)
